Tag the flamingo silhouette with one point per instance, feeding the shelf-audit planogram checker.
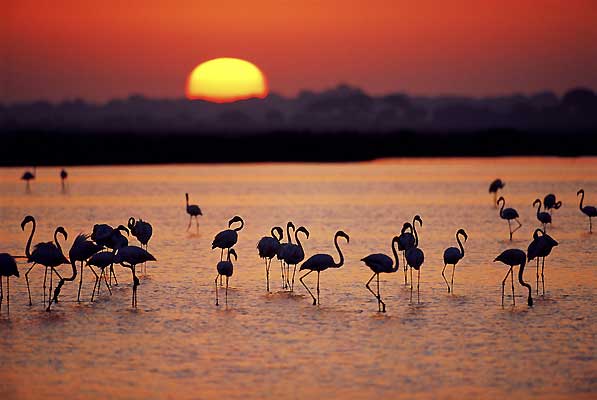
(29, 176)
(225, 268)
(111, 238)
(589, 211)
(47, 254)
(63, 176)
(550, 203)
(294, 254)
(321, 262)
(228, 238)
(143, 231)
(102, 260)
(509, 214)
(268, 248)
(194, 211)
(540, 247)
(282, 250)
(407, 241)
(415, 259)
(494, 187)
(513, 257)
(452, 255)
(130, 257)
(8, 268)
(381, 263)
(542, 216)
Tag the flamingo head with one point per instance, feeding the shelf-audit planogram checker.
(463, 233)
(123, 229)
(232, 252)
(304, 230)
(26, 220)
(537, 201)
(418, 218)
(234, 219)
(580, 191)
(279, 231)
(131, 223)
(500, 199)
(62, 231)
(344, 235)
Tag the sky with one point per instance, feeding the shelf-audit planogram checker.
(99, 50)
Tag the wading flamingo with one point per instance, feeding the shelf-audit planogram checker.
(540, 247)
(268, 248)
(225, 268)
(513, 257)
(8, 268)
(589, 211)
(381, 263)
(452, 255)
(194, 211)
(509, 214)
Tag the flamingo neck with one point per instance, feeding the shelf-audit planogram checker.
(538, 208)
(288, 235)
(460, 245)
(502, 207)
(523, 283)
(341, 262)
(298, 242)
(28, 247)
(582, 197)
(396, 258)
(414, 229)
(56, 241)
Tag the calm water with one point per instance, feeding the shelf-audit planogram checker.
(177, 344)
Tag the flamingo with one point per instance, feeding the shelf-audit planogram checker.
(540, 247)
(415, 259)
(452, 255)
(509, 214)
(194, 211)
(63, 176)
(81, 250)
(513, 257)
(294, 254)
(589, 211)
(407, 241)
(8, 268)
(282, 250)
(101, 260)
(141, 230)
(228, 238)
(542, 216)
(47, 254)
(268, 248)
(381, 263)
(494, 187)
(225, 268)
(321, 262)
(129, 257)
(29, 176)
(113, 239)
(550, 203)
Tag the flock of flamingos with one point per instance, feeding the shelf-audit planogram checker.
(107, 246)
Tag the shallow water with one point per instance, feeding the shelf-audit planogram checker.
(178, 344)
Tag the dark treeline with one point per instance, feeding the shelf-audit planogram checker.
(53, 148)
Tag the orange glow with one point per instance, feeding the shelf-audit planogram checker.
(223, 80)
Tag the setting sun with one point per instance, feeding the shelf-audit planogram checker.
(223, 80)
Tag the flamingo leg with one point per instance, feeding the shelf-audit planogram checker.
(369, 288)
(293, 273)
(27, 279)
(318, 273)
(537, 275)
(510, 229)
(543, 276)
(282, 273)
(513, 298)
(379, 300)
(96, 280)
(452, 282)
(80, 284)
(590, 225)
(504, 284)
(107, 284)
(44, 285)
(411, 285)
(405, 269)
(444, 276)
(519, 225)
(226, 296)
(50, 293)
(7, 293)
(216, 284)
(197, 223)
(1, 293)
(112, 274)
(221, 254)
(190, 220)
(267, 275)
(418, 282)
(301, 279)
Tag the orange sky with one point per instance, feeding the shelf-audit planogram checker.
(98, 50)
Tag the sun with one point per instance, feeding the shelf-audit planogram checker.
(224, 80)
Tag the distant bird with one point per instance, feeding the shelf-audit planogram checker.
(415, 259)
(294, 254)
(494, 187)
(282, 250)
(268, 248)
(452, 255)
(113, 239)
(550, 203)
(29, 176)
(381, 263)
(540, 247)
(542, 216)
(225, 268)
(194, 211)
(589, 211)
(321, 262)
(509, 214)
(47, 254)
(407, 240)
(513, 257)
(142, 230)
(228, 238)
(130, 257)
(8, 268)
(63, 176)
(102, 260)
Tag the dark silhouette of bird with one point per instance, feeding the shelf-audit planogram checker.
(228, 238)
(542, 216)
(540, 247)
(225, 268)
(381, 263)
(294, 254)
(321, 262)
(589, 211)
(407, 241)
(8, 268)
(509, 214)
(111, 238)
(282, 250)
(268, 248)
(48, 254)
(29, 176)
(130, 257)
(415, 259)
(550, 203)
(63, 176)
(452, 255)
(141, 230)
(101, 260)
(513, 257)
(494, 187)
(194, 211)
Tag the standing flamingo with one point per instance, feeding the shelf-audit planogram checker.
(494, 187)
(29, 176)
(268, 248)
(550, 203)
(542, 216)
(8, 268)
(381, 263)
(63, 176)
(194, 211)
(509, 214)
(130, 257)
(407, 240)
(540, 247)
(294, 254)
(452, 255)
(228, 238)
(225, 268)
(282, 250)
(415, 259)
(111, 238)
(47, 254)
(589, 211)
(143, 231)
(321, 262)
(512, 257)
(102, 260)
